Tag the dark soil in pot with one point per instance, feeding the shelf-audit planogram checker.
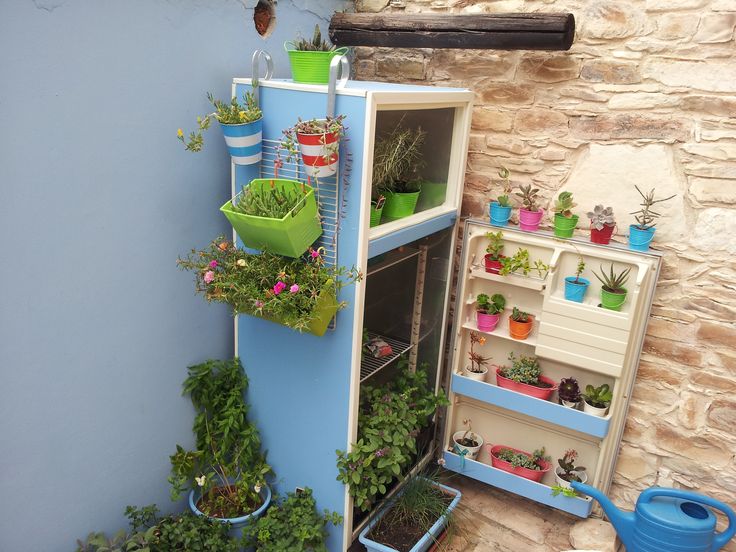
(206, 506)
(467, 442)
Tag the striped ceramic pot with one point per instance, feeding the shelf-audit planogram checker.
(319, 152)
(244, 141)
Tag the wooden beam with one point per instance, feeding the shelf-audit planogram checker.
(524, 31)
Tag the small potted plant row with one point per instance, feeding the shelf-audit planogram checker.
(613, 293)
(596, 400)
(520, 263)
(530, 466)
(525, 376)
(488, 314)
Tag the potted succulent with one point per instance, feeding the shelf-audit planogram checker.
(275, 214)
(226, 472)
(318, 142)
(565, 221)
(414, 519)
(569, 392)
(520, 262)
(310, 58)
(488, 311)
(476, 370)
(566, 472)
(493, 254)
(613, 292)
(241, 125)
(291, 524)
(529, 466)
(602, 224)
(525, 376)
(467, 443)
(520, 324)
(575, 286)
(500, 210)
(596, 400)
(397, 158)
(642, 233)
(530, 215)
(299, 294)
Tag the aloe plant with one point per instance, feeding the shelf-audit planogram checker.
(613, 282)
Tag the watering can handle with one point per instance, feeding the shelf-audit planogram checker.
(721, 538)
(339, 64)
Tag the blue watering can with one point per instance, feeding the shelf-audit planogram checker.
(668, 520)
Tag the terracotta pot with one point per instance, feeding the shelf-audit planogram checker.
(526, 473)
(543, 393)
(520, 330)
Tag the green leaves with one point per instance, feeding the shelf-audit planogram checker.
(612, 281)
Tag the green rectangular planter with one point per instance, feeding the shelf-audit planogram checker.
(399, 205)
(324, 311)
(290, 236)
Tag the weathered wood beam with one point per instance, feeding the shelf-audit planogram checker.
(510, 31)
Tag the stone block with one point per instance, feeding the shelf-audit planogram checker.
(370, 6)
(593, 534)
(505, 94)
(673, 26)
(630, 126)
(642, 100)
(540, 122)
(611, 72)
(709, 235)
(612, 19)
(717, 334)
(722, 151)
(401, 65)
(470, 64)
(691, 410)
(713, 382)
(698, 75)
(715, 28)
(549, 67)
(722, 414)
(635, 465)
(672, 5)
(492, 119)
(714, 105)
(667, 349)
(704, 451)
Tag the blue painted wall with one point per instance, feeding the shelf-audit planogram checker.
(97, 199)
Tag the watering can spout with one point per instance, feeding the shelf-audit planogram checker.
(623, 522)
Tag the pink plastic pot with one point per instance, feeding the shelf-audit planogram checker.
(543, 393)
(487, 322)
(529, 220)
(526, 473)
(493, 266)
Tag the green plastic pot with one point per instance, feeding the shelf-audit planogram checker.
(311, 67)
(564, 226)
(399, 205)
(376, 216)
(290, 236)
(324, 311)
(433, 194)
(613, 301)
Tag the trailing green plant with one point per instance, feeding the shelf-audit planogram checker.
(569, 469)
(601, 216)
(315, 44)
(291, 524)
(564, 204)
(233, 113)
(331, 125)
(390, 419)
(503, 199)
(523, 369)
(645, 217)
(613, 282)
(522, 459)
(265, 284)
(493, 305)
(569, 390)
(564, 491)
(397, 159)
(226, 467)
(495, 244)
(520, 262)
(528, 196)
(477, 361)
(598, 397)
(271, 202)
(518, 315)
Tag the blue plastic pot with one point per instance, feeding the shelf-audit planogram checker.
(244, 141)
(499, 215)
(425, 542)
(236, 524)
(575, 291)
(639, 239)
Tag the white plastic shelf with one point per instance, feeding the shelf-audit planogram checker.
(502, 330)
(529, 282)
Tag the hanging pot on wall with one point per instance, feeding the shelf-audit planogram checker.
(319, 152)
(244, 141)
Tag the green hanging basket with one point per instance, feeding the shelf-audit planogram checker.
(289, 236)
(323, 313)
(310, 67)
(399, 205)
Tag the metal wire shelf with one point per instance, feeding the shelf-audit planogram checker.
(369, 365)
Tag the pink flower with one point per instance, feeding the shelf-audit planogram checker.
(259, 304)
(208, 277)
(294, 288)
(279, 287)
(314, 253)
(213, 264)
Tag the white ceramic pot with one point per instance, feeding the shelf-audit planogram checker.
(562, 483)
(472, 451)
(569, 404)
(595, 411)
(477, 376)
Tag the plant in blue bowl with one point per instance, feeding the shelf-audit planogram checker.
(500, 210)
(642, 233)
(575, 286)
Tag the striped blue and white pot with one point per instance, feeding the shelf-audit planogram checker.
(244, 141)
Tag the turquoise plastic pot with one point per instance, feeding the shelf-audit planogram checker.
(236, 524)
(499, 215)
(575, 291)
(639, 239)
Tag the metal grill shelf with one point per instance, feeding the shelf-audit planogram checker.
(369, 365)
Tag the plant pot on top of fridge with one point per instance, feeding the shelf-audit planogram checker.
(275, 214)
(241, 125)
(317, 141)
(602, 224)
(499, 211)
(525, 376)
(493, 256)
(530, 216)
(613, 292)
(565, 221)
(520, 324)
(477, 369)
(596, 400)
(414, 519)
(310, 59)
(576, 286)
(642, 233)
(567, 472)
(488, 311)
(518, 462)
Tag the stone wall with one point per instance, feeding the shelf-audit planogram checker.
(647, 96)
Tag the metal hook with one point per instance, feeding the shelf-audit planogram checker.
(339, 63)
(257, 55)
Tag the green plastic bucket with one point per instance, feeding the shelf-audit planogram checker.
(399, 206)
(376, 216)
(311, 67)
(433, 195)
(613, 301)
(324, 311)
(564, 226)
(289, 236)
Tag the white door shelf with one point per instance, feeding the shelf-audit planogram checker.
(528, 282)
(502, 330)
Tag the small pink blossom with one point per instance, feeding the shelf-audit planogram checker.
(259, 304)
(213, 264)
(294, 288)
(314, 253)
(279, 287)
(208, 277)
